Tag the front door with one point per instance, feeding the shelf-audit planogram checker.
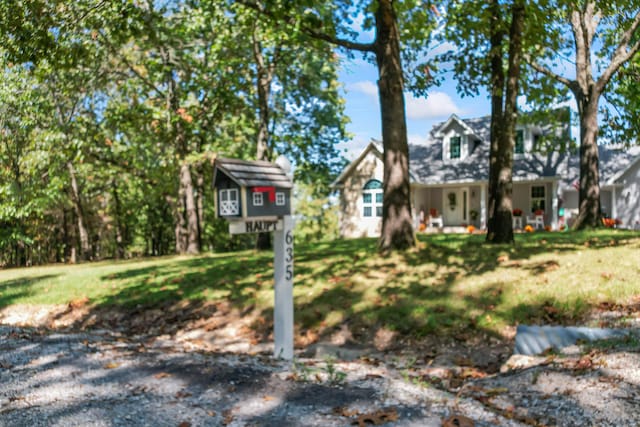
(455, 206)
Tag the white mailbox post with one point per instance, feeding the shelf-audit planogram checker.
(283, 290)
(255, 197)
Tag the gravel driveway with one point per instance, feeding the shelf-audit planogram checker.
(101, 379)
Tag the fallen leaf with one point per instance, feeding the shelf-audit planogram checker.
(78, 302)
(184, 424)
(585, 362)
(267, 398)
(111, 365)
(503, 258)
(162, 375)
(182, 394)
(377, 418)
(227, 417)
(458, 421)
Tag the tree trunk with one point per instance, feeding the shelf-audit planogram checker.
(496, 219)
(199, 197)
(83, 234)
(263, 152)
(118, 217)
(503, 124)
(590, 215)
(190, 213)
(397, 225)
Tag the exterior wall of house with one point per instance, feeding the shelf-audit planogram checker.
(570, 203)
(474, 205)
(520, 197)
(628, 198)
(421, 201)
(605, 202)
(352, 221)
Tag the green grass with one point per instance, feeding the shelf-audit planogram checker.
(449, 284)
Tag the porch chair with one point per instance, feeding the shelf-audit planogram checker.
(435, 220)
(536, 220)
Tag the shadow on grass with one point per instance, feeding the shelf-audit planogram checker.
(339, 284)
(14, 289)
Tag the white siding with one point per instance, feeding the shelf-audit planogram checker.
(352, 221)
(628, 198)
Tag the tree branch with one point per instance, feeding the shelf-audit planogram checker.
(347, 44)
(311, 32)
(622, 53)
(547, 72)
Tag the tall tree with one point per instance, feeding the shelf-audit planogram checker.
(504, 116)
(603, 37)
(299, 110)
(489, 38)
(334, 23)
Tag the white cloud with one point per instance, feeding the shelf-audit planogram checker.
(436, 105)
(366, 87)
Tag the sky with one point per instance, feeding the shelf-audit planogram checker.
(359, 80)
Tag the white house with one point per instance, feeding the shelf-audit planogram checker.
(449, 178)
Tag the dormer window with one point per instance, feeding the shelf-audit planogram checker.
(519, 143)
(454, 147)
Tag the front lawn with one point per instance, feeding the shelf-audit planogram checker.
(450, 283)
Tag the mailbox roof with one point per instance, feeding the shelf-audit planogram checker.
(253, 173)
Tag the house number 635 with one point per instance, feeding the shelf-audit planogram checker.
(288, 240)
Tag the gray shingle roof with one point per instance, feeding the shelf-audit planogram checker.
(254, 173)
(427, 165)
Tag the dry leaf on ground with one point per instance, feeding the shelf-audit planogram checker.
(377, 418)
(458, 421)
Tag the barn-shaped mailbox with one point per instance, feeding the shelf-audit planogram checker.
(251, 189)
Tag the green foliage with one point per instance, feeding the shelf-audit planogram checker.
(102, 104)
(316, 216)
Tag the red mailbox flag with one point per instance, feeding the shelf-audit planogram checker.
(270, 190)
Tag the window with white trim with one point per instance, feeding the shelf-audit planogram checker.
(537, 198)
(372, 198)
(280, 199)
(229, 203)
(455, 147)
(519, 143)
(258, 199)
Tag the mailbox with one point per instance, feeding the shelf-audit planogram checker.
(251, 189)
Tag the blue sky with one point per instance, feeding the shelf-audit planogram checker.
(359, 79)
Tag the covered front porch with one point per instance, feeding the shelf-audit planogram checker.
(453, 207)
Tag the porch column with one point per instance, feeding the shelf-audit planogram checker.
(554, 205)
(483, 207)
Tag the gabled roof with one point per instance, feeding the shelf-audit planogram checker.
(374, 147)
(624, 162)
(252, 173)
(439, 129)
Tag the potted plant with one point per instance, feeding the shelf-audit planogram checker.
(473, 214)
(517, 212)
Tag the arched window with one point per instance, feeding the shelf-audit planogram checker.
(372, 198)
